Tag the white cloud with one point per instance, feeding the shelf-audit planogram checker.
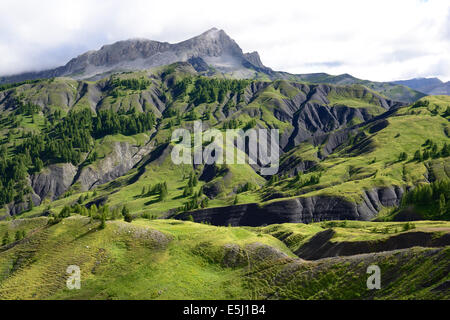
(378, 40)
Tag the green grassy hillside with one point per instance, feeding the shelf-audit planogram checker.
(170, 259)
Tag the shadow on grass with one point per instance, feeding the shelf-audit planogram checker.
(151, 202)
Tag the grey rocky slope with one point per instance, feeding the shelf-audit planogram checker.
(302, 209)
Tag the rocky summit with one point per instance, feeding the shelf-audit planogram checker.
(213, 48)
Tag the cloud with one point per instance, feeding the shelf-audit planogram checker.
(324, 64)
(379, 40)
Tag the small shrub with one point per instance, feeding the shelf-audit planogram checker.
(102, 224)
(128, 217)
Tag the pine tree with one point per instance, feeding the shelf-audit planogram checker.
(204, 203)
(194, 181)
(188, 191)
(38, 165)
(445, 152)
(298, 177)
(417, 156)
(65, 212)
(163, 193)
(125, 211)
(103, 222)
(442, 207)
(93, 210)
(6, 238)
(403, 156)
(434, 150)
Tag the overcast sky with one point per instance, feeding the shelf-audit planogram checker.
(370, 39)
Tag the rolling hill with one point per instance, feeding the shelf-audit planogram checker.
(167, 259)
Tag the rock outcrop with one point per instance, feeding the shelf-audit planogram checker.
(53, 181)
(302, 209)
(123, 157)
(50, 183)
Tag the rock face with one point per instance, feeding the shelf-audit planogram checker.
(254, 59)
(304, 210)
(50, 183)
(123, 157)
(53, 181)
(234, 256)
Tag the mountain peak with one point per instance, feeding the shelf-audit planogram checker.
(255, 59)
(212, 30)
(213, 46)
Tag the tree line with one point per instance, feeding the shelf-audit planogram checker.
(116, 85)
(434, 197)
(208, 90)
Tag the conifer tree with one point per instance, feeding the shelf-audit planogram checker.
(6, 238)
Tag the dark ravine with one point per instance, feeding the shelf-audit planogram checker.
(302, 209)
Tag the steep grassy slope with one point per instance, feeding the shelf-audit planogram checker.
(181, 260)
